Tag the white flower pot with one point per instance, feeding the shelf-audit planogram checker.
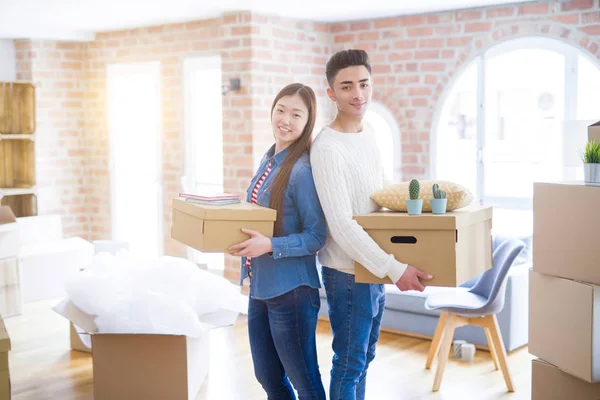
(591, 174)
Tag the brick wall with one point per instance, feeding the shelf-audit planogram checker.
(62, 169)
(286, 51)
(416, 57)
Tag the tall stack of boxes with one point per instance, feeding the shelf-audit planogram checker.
(564, 295)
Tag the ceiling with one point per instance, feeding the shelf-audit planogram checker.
(81, 19)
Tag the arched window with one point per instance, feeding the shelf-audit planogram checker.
(517, 114)
(387, 133)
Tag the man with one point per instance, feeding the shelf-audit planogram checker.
(347, 169)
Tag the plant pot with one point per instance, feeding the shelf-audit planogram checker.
(591, 174)
(438, 206)
(414, 207)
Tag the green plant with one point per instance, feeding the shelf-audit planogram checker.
(437, 193)
(413, 189)
(591, 153)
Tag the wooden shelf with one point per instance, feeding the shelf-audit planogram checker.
(20, 137)
(17, 148)
(17, 108)
(17, 164)
(22, 205)
(17, 192)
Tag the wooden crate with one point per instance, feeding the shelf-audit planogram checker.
(22, 205)
(17, 108)
(17, 163)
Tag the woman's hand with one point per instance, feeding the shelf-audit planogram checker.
(256, 246)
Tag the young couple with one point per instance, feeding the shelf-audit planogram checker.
(316, 190)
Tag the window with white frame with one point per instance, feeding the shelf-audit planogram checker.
(387, 134)
(135, 133)
(203, 137)
(516, 115)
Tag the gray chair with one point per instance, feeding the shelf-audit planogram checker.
(475, 306)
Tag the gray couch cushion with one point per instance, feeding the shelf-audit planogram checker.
(412, 300)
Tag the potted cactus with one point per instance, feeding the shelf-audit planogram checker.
(439, 200)
(414, 206)
(591, 163)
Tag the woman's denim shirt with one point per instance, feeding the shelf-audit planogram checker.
(293, 260)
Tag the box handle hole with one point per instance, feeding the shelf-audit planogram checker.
(404, 239)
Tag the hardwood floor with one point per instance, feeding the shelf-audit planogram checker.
(43, 367)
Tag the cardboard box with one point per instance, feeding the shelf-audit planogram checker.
(454, 247)
(565, 226)
(564, 324)
(550, 383)
(5, 386)
(146, 366)
(10, 242)
(594, 132)
(213, 229)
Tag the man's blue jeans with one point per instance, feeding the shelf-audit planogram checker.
(282, 335)
(355, 312)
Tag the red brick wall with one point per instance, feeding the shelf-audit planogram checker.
(416, 57)
(57, 70)
(286, 51)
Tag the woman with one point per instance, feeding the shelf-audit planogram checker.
(284, 298)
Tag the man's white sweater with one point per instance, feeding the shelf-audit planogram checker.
(347, 170)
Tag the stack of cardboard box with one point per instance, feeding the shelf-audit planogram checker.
(564, 296)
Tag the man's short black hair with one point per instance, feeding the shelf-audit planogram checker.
(344, 59)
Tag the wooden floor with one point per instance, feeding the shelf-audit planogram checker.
(43, 367)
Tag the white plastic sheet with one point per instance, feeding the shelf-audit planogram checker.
(163, 296)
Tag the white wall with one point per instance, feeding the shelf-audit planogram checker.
(8, 60)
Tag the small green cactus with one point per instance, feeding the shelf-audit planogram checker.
(437, 193)
(413, 189)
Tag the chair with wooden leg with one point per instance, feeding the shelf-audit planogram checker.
(476, 306)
